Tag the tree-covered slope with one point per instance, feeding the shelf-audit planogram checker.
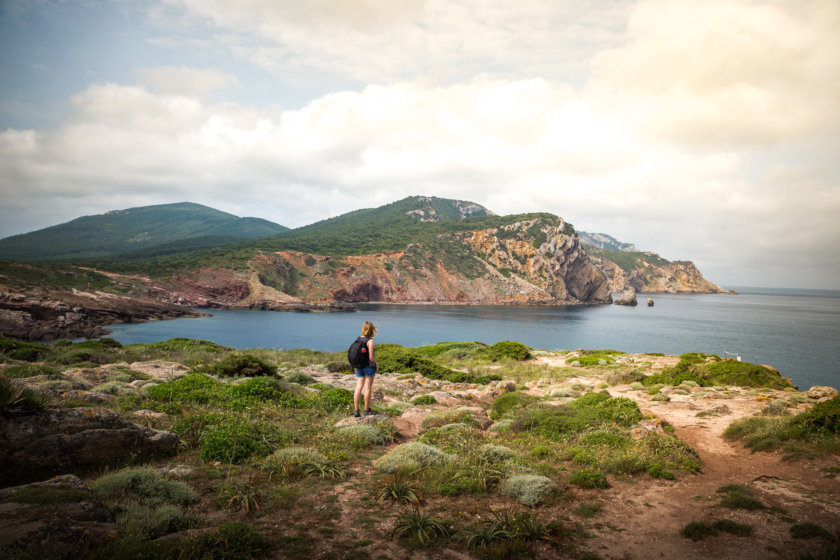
(133, 229)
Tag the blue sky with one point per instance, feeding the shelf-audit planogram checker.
(702, 131)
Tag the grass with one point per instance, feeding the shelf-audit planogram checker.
(814, 432)
(700, 530)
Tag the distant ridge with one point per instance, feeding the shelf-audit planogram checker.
(133, 229)
(604, 241)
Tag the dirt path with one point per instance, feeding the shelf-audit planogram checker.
(642, 518)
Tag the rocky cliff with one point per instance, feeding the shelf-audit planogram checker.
(529, 262)
(650, 273)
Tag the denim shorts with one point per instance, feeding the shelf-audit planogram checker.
(367, 371)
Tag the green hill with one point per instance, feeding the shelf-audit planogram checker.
(168, 227)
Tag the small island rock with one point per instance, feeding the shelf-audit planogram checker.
(627, 297)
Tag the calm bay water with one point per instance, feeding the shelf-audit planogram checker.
(796, 331)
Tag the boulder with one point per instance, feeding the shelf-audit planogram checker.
(627, 297)
(650, 302)
(445, 398)
(159, 369)
(479, 414)
(64, 437)
(820, 392)
(57, 518)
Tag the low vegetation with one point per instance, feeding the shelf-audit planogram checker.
(266, 436)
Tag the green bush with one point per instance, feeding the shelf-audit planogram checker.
(150, 522)
(236, 440)
(145, 486)
(292, 462)
(823, 419)
(457, 350)
(361, 435)
(508, 402)
(494, 453)
(739, 497)
(300, 378)
(810, 530)
(196, 387)
(530, 490)
(411, 456)
(424, 400)
(393, 358)
(505, 350)
(588, 478)
(242, 365)
(699, 530)
(335, 399)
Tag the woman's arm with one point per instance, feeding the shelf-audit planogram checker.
(372, 357)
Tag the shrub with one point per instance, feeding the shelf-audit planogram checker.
(589, 479)
(27, 352)
(361, 435)
(334, 399)
(150, 522)
(507, 402)
(823, 419)
(505, 350)
(422, 527)
(501, 426)
(494, 453)
(530, 490)
(233, 541)
(293, 462)
(411, 456)
(234, 441)
(300, 378)
(396, 359)
(424, 400)
(145, 486)
(242, 365)
(338, 367)
(636, 386)
(196, 387)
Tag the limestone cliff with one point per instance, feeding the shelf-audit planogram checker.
(649, 273)
(529, 262)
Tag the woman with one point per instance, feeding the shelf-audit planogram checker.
(365, 374)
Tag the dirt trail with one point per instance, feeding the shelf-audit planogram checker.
(643, 518)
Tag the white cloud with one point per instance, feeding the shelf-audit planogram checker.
(185, 81)
(727, 73)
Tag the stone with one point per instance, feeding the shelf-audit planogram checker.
(66, 528)
(177, 471)
(479, 414)
(650, 302)
(627, 297)
(820, 392)
(148, 414)
(445, 398)
(159, 369)
(63, 437)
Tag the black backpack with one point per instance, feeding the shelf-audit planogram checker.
(357, 355)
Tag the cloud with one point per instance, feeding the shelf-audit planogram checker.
(185, 81)
(385, 42)
(727, 73)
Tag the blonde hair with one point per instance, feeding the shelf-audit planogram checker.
(369, 329)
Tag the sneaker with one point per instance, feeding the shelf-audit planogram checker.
(356, 414)
(370, 412)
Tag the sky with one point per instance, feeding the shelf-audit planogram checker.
(705, 131)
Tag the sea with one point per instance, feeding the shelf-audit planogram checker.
(795, 331)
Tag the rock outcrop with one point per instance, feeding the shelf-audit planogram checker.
(627, 297)
(529, 262)
(71, 522)
(64, 437)
(47, 315)
(650, 273)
